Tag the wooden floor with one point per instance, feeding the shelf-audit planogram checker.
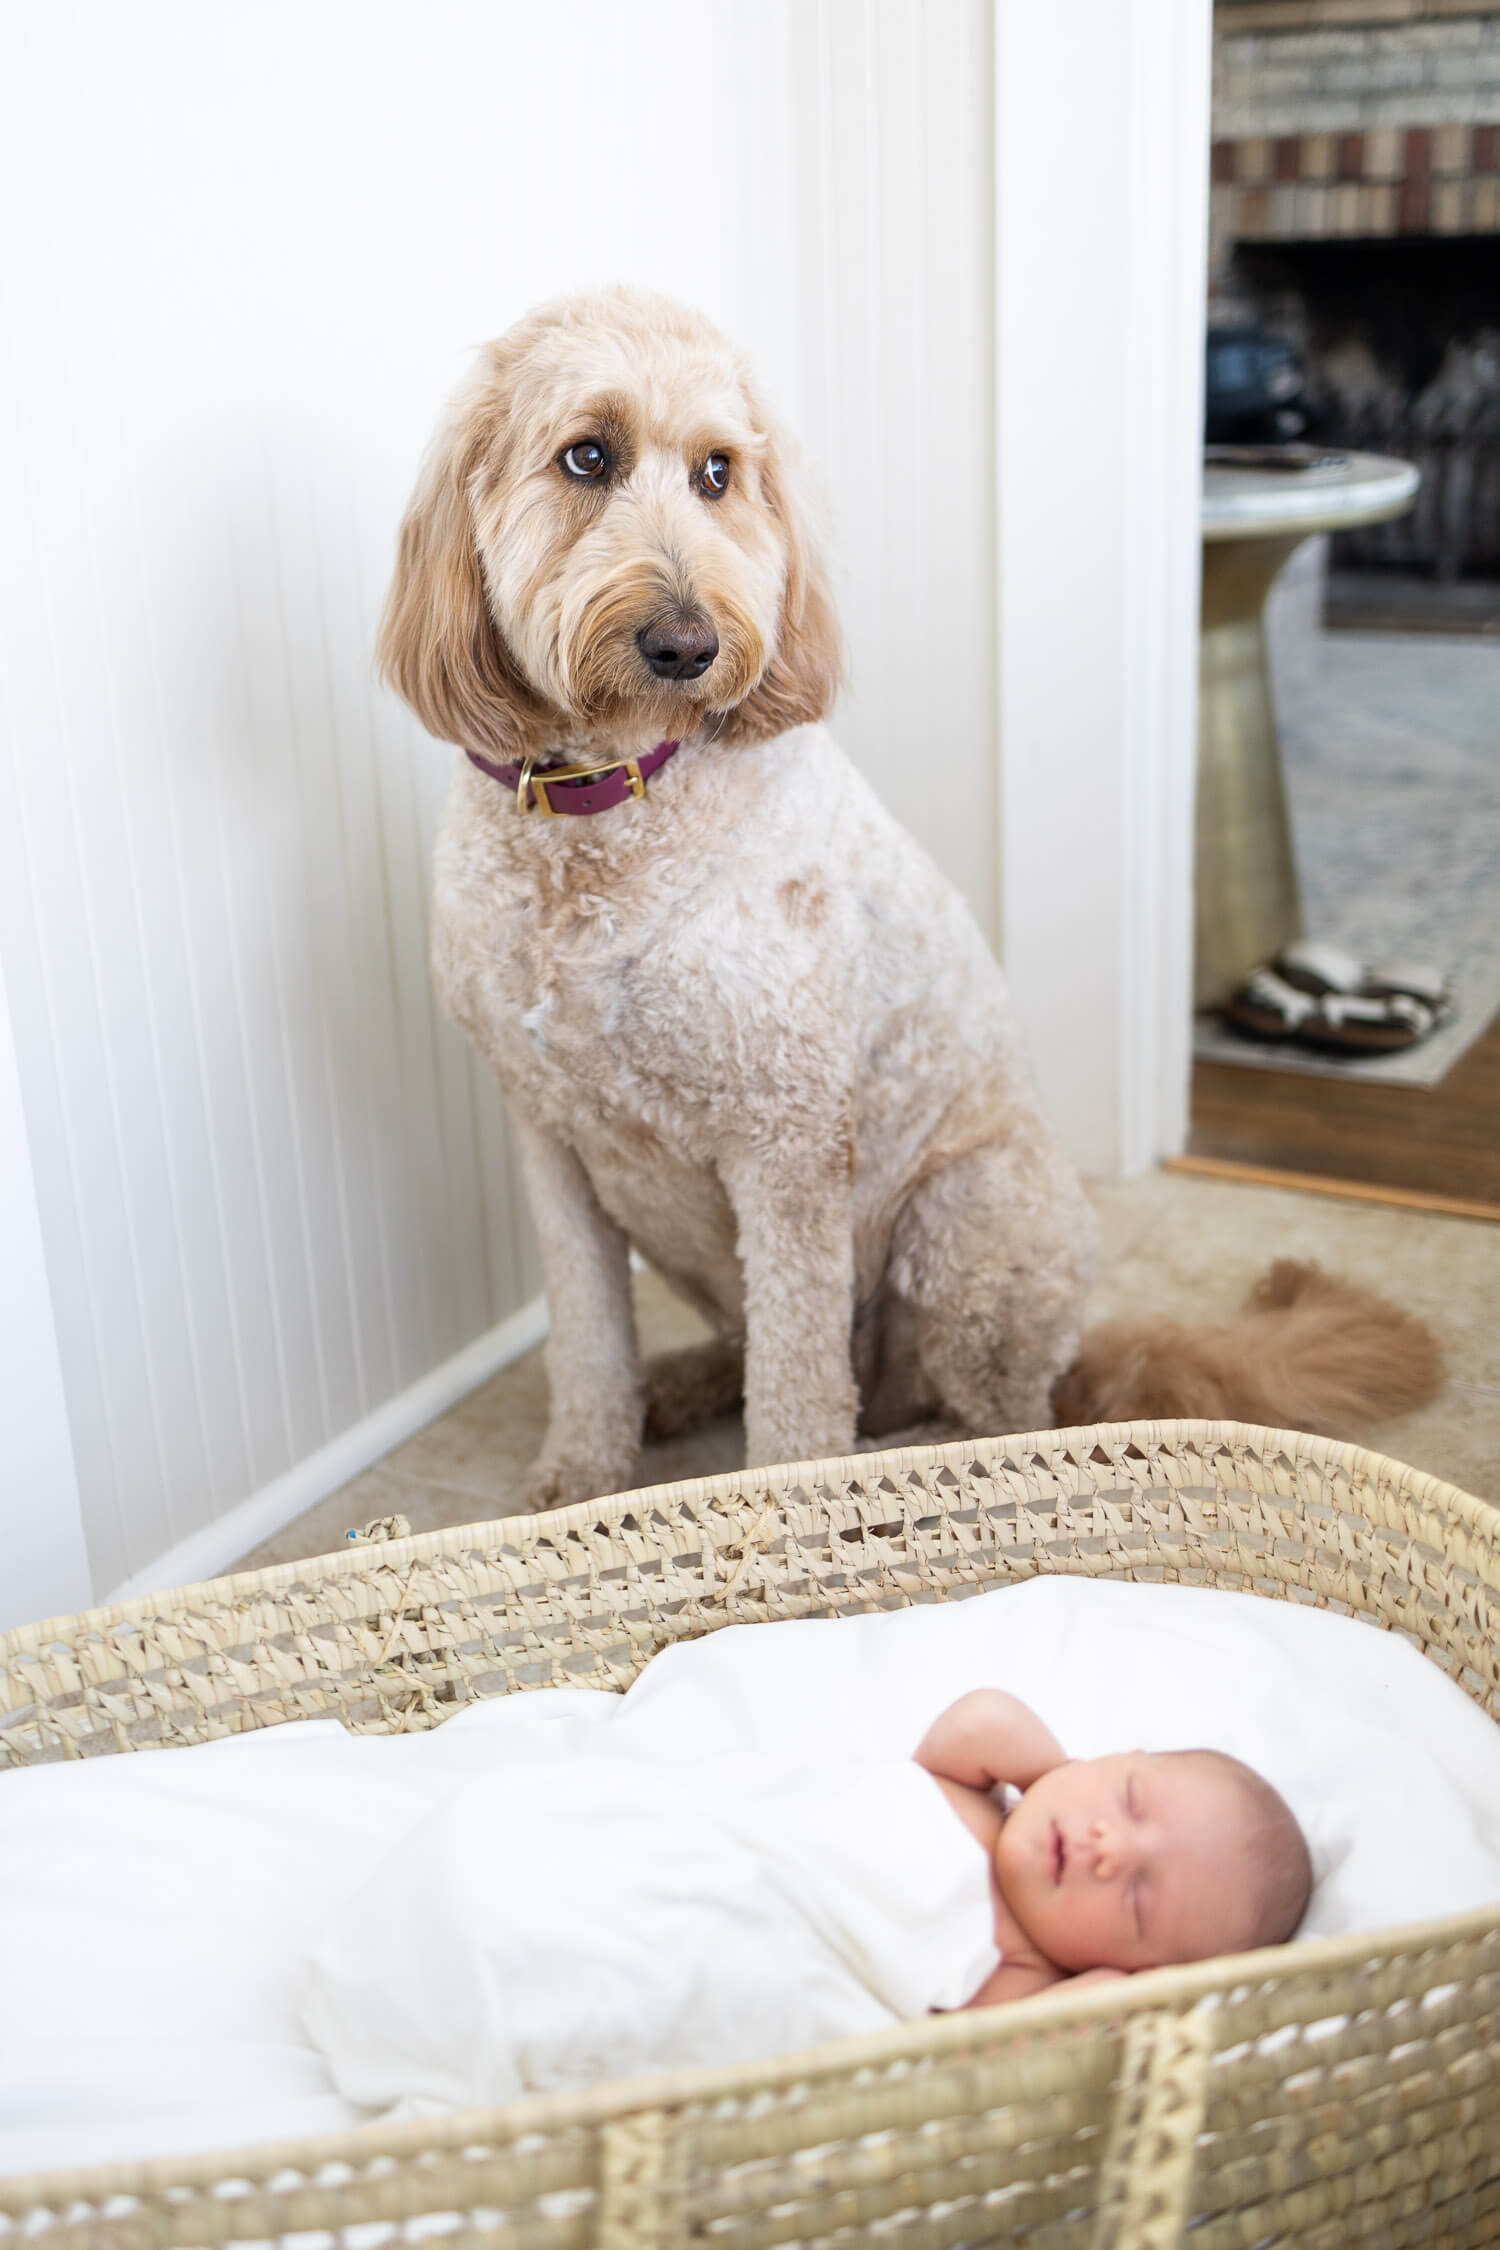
(1438, 1140)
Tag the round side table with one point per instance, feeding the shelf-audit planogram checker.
(1246, 900)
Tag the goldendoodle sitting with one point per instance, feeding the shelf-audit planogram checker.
(742, 1022)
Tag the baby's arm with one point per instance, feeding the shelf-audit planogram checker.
(987, 1737)
(1018, 1980)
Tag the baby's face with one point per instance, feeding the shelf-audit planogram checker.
(1129, 1862)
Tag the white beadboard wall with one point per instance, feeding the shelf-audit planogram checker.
(249, 253)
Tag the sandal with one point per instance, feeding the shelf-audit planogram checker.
(1267, 1007)
(1312, 965)
(1353, 1024)
(1381, 1018)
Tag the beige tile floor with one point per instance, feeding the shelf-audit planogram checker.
(1174, 1245)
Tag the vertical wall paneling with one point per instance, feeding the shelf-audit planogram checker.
(1099, 263)
(1168, 99)
(248, 254)
(892, 108)
(44, 1568)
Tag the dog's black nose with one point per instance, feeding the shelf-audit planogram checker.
(678, 649)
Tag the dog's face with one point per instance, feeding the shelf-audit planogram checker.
(634, 561)
(604, 544)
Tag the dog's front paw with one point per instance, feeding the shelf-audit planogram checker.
(557, 1480)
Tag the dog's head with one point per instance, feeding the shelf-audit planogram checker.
(604, 542)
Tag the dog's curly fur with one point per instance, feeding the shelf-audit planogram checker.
(743, 1024)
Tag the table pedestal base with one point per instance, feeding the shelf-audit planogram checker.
(1247, 904)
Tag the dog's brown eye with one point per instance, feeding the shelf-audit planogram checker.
(586, 461)
(715, 474)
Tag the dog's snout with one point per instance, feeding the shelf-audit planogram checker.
(678, 648)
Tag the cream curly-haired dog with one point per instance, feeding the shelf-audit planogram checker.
(742, 1022)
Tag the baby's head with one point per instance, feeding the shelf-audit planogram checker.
(1135, 1861)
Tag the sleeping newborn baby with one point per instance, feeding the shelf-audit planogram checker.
(585, 1917)
(1107, 1865)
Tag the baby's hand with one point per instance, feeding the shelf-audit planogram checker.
(988, 1737)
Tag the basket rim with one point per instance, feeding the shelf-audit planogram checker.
(1213, 1452)
(1176, 1991)
(519, 1533)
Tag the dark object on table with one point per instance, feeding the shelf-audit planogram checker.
(1253, 389)
(1295, 456)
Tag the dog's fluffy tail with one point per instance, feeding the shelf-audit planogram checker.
(1308, 1352)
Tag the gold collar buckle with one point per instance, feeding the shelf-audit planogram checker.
(537, 785)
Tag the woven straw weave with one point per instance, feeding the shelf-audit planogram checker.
(1337, 2093)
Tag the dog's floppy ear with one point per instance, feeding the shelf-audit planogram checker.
(438, 643)
(799, 684)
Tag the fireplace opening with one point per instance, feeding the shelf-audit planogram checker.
(1400, 343)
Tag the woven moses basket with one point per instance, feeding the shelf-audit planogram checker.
(1343, 2091)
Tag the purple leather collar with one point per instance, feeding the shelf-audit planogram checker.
(577, 789)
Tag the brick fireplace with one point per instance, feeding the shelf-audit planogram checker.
(1387, 179)
(1337, 118)
(1355, 208)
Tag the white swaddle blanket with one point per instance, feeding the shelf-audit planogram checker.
(181, 1962)
(597, 1917)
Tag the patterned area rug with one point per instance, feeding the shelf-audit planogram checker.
(1392, 750)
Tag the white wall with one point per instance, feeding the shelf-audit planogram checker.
(893, 159)
(44, 1569)
(1101, 135)
(250, 250)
